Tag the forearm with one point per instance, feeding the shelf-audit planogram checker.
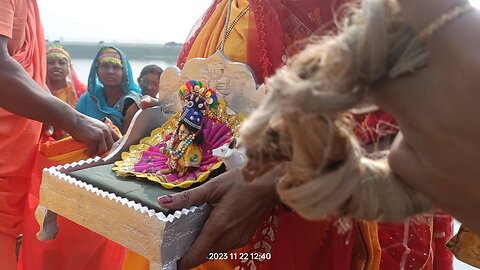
(129, 114)
(420, 13)
(21, 95)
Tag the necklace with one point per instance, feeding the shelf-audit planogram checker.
(229, 29)
(178, 152)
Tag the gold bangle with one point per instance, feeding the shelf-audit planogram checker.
(441, 21)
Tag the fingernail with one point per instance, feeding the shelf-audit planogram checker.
(167, 199)
(106, 120)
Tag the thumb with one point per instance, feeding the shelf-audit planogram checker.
(184, 199)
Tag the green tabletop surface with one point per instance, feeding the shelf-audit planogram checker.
(140, 191)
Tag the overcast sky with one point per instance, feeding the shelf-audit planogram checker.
(123, 20)
(120, 20)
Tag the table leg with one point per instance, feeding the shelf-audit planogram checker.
(48, 223)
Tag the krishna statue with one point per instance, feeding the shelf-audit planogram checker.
(179, 153)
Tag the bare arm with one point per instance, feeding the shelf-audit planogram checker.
(131, 111)
(22, 96)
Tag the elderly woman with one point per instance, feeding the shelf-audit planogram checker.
(111, 91)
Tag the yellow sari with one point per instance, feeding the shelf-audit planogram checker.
(67, 95)
(210, 36)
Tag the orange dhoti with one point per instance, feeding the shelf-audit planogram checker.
(19, 136)
(74, 246)
(13, 191)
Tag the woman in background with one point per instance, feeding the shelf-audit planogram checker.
(61, 77)
(149, 80)
(112, 92)
(62, 80)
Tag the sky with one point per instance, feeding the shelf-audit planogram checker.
(150, 21)
(476, 3)
(143, 21)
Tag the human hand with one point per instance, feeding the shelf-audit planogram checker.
(97, 136)
(424, 101)
(434, 107)
(237, 209)
(148, 101)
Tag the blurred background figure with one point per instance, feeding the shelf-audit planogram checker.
(149, 80)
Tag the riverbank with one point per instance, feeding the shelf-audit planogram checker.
(161, 52)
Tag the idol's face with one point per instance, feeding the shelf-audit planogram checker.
(183, 132)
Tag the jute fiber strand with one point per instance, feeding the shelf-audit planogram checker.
(303, 119)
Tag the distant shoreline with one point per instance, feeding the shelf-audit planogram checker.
(167, 52)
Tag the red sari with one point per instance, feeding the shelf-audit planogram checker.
(413, 244)
(264, 32)
(270, 32)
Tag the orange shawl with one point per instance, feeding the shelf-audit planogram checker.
(18, 135)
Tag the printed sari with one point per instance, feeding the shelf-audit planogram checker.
(68, 94)
(269, 33)
(416, 243)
